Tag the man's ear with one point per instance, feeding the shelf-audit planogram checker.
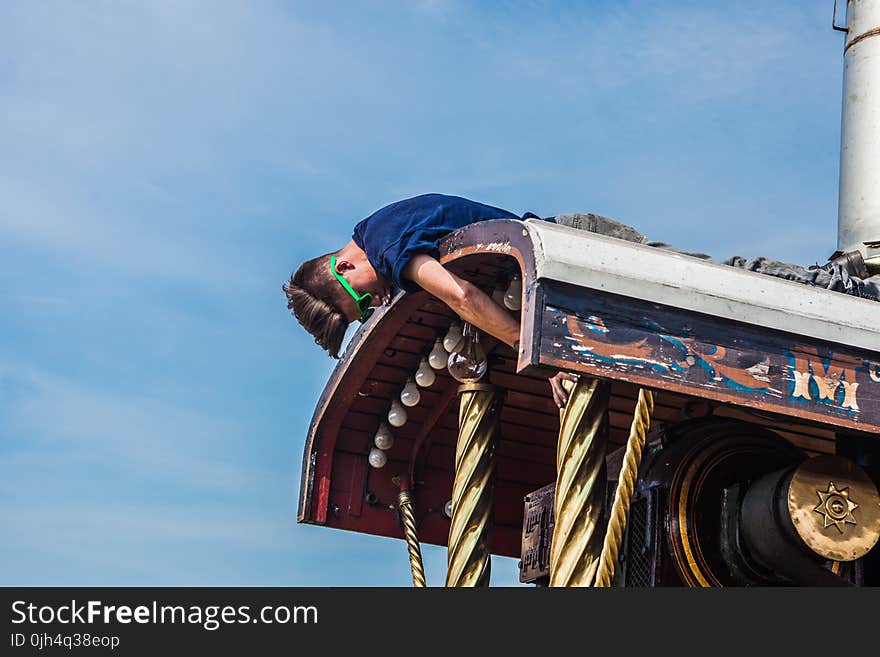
(343, 266)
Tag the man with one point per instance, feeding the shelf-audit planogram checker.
(396, 246)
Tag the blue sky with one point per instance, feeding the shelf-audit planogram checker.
(164, 166)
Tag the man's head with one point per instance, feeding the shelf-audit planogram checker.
(323, 304)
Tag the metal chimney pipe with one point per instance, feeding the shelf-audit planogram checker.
(858, 226)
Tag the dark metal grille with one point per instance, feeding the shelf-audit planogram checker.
(638, 552)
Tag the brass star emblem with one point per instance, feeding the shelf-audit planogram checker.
(836, 507)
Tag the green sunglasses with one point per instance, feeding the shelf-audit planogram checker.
(364, 301)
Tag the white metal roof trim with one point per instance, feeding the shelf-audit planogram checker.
(642, 272)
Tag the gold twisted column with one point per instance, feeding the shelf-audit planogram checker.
(580, 483)
(407, 518)
(625, 484)
(473, 493)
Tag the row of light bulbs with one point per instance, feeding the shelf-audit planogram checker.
(460, 352)
(424, 377)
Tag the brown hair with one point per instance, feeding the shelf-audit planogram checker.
(314, 301)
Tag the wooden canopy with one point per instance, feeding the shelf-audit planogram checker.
(803, 361)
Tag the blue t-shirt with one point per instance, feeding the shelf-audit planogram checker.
(393, 235)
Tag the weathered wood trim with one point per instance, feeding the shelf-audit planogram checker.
(547, 304)
(510, 238)
(671, 349)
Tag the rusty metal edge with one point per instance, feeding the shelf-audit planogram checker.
(508, 237)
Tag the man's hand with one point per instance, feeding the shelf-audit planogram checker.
(560, 396)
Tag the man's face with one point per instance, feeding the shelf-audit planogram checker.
(362, 278)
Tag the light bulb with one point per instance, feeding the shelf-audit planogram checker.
(447, 509)
(437, 357)
(384, 439)
(467, 363)
(396, 415)
(410, 394)
(498, 294)
(452, 337)
(513, 296)
(425, 375)
(377, 458)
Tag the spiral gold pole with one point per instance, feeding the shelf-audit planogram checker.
(625, 484)
(407, 518)
(580, 483)
(470, 532)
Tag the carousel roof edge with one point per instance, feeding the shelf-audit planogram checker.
(647, 273)
(549, 252)
(341, 388)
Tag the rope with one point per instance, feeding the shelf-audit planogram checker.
(625, 484)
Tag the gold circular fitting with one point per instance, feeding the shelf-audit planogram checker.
(835, 507)
(475, 386)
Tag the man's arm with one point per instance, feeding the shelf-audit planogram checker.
(467, 300)
(474, 306)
